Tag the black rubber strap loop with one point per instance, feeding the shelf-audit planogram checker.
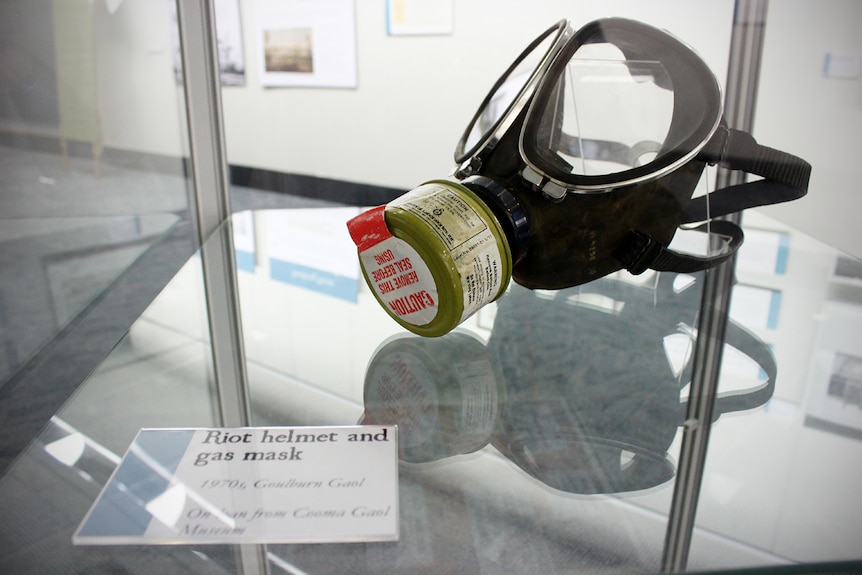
(785, 176)
(744, 153)
(640, 252)
(740, 338)
(736, 198)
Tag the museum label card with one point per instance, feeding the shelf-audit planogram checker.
(250, 485)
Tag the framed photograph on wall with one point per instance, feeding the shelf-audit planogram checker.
(835, 388)
(306, 44)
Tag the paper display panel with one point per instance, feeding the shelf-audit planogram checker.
(250, 485)
(243, 241)
(835, 380)
(764, 251)
(419, 17)
(231, 54)
(311, 248)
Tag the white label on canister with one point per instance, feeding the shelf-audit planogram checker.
(399, 277)
(467, 237)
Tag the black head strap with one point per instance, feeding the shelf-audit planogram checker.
(785, 178)
(640, 252)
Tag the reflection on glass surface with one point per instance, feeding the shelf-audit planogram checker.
(91, 169)
(444, 394)
(579, 388)
(93, 222)
(54, 268)
(795, 461)
(550, 426)
(69, 446)
(315, 358)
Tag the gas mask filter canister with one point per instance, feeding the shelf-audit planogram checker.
(581, 161)
(433, 257)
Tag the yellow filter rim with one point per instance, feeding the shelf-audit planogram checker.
(422, 237)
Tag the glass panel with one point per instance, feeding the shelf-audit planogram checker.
(491, 459)
(778, 480)
(158, 375)
(781, 484)
(94, 221)
(551, 453)
(321, 351)
(91, 157)
(531, 413)
(509, 433)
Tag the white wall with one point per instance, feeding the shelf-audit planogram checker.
(140, 105)
(416, 94)
(819, 118)
(414, 98)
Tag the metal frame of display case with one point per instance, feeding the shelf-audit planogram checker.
(746, 45)
(211, 207)
(211, 198)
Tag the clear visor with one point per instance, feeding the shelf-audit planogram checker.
(612, 115)
(498, 103)
(622, 103)
(612, 104)
(510, 94)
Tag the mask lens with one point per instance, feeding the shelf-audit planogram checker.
(499, 102)
(621, 104)
(610, 115)
(510, 93)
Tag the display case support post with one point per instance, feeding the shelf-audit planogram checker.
(742, 76)
(210, 207)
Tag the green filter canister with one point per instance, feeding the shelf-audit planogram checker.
(433, 256)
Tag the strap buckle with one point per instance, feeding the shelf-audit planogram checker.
(638, 252)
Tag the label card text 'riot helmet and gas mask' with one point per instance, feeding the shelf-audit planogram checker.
(581, 161)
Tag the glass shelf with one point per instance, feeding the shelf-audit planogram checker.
(542, 435)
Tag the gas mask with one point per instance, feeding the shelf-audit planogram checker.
(581, 161)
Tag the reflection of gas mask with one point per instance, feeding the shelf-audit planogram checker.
(556, 389)
(595, 377)
(581, 161)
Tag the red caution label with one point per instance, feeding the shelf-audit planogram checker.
(396, 273)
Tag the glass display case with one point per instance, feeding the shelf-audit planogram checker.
(198, 273)
(525, 441)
